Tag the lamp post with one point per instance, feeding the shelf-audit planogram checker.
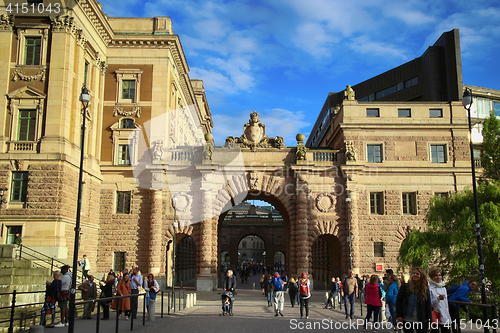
(175, 233)
(348, 201)
(467, 103)
(85, 99)
(2, 193)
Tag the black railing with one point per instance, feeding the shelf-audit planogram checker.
(176, 301)
(493, 320)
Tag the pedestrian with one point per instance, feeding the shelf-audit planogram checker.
(151, 287)
(123, 289)
(461, 295)
(439, 301)
(52, 292)
(230, 282)
(305, 294)
(350, 294)
(279, 294)
(373, 302)
(390, 299)
(89, 293)
(340, 294)
(263, 281)
(331, 297)
(270, 291)
(106, 291)
(413, 304)
(292, 291)
(383, 310)
(135, 283)
(85, 263)
(64, 299)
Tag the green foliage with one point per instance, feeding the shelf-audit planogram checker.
(490, 156)
(450, 241)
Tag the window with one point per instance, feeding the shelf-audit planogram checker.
(123, 202)
(32, 50)
(438, 153)
(404, 113)
(374, 153)
(128, 85)
(19, 186)
(378, 249)
(128, 89)
(123, 155)
(409, 204)
(372, 112)
(27, 125)
(496, 108)
(14, 234)
(119, 261)
(436, 113)
(376, 203)
(127, 123)
(441, 195)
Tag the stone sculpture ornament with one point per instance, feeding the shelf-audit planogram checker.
(325, 202)
(158, 150)
(349, 93)
(350, 151)
(254, 136)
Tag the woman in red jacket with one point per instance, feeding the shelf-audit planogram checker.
(372, 301)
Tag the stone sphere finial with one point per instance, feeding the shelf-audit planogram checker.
(300, 138)
(209, 137)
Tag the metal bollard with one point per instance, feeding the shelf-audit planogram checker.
(194, 299)
(151, 310)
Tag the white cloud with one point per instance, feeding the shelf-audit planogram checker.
(364, 44)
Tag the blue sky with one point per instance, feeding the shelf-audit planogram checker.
(282, 57)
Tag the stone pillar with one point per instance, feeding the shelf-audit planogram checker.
(353, 220)
(302, 244)
(155, 232)
(206, 280)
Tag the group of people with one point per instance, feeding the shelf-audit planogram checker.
(121, 284)
(419, 305)
(275, 286)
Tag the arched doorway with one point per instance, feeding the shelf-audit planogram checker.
(185, 264)
(326, 259)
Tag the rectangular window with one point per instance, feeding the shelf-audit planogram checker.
(14, 234)
(378, 249)
(376, 203)
(496, 108)
(409, 204)
(123, 155)
(32, 50)
(19, 186)
(436, 113)
(123, 202)
(372, 112)
(119, 261)
(438, 153)
(441, 195)
(374, 153)
(27, 125)
(128, 89)
(401, 86)
(402, 113)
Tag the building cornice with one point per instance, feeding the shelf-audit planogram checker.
(95, 15)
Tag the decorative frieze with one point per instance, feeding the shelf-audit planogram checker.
(134, 112)
(20, 75)
(65, 23)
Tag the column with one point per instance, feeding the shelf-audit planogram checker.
(155, 232)
(353, 220)
(302, 248)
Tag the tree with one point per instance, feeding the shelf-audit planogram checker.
(450, 241)
(490, 156)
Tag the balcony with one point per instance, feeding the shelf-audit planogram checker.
(23, 146)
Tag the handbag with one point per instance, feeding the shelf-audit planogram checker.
(435, 317)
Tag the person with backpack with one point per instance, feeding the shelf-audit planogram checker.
(461, 294)
(304, 294)
(279, 294)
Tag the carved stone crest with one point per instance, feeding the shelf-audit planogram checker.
(325, 202)
(253, 180)
(350, 151)
(183, 202)
(254, 136)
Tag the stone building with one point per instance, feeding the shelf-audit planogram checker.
(136, 74)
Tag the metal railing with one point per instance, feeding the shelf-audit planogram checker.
(176, 301)
(493, 320)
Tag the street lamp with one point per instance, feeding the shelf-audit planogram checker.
(2, 200)
(467, 103)
(85, 99)
(175, 232)
(348, 201)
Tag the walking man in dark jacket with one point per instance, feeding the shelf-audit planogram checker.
(230, 282)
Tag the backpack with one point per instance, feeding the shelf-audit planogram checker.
(278, 283)
(450, 291)
(304, 289)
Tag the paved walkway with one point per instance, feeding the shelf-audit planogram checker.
(251, 314)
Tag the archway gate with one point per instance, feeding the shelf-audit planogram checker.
(305, 185)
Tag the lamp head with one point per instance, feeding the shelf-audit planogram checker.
(84, 96)
(467, 98)
(2, 191)
(348, 199)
